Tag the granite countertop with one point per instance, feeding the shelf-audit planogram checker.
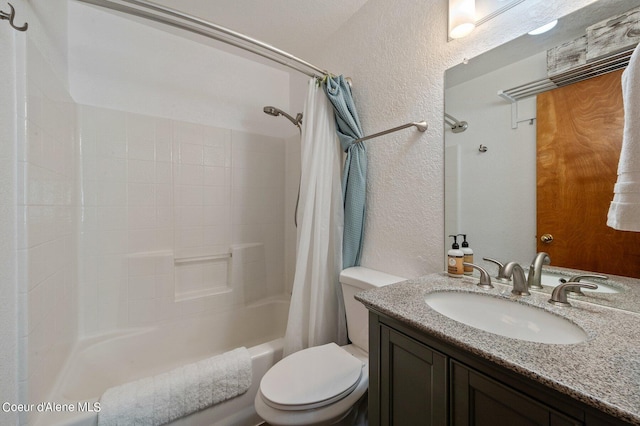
(603, 371)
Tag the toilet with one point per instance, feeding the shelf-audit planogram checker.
(327, 384)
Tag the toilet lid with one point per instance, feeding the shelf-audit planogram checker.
(311, 378)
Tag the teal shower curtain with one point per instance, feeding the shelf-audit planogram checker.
(354, 176)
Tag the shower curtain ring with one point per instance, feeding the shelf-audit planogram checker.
(9, 16)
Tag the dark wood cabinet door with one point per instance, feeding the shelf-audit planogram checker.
(417, 380)
(480, 401)
(413, 382)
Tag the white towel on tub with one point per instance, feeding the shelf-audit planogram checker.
(624, 211)
(166, 397)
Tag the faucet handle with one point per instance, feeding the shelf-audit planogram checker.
(559, 294)
(501, 276)
(577, 278)
(485, 279)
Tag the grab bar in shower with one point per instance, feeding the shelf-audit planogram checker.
(192, 259)
(420, 125)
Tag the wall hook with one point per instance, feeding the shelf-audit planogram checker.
(10, 16)
(482, 148)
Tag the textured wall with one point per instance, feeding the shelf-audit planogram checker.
(397, 56)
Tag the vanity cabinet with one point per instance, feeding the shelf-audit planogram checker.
(478, 400)
(417, 379)
(413, 382)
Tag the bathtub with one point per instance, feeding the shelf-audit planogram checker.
(97, 364)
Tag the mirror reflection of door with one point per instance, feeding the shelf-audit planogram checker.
(579, 138)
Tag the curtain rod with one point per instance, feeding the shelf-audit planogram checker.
(420, 125)
(231, 37)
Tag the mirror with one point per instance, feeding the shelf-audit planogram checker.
(490, 168)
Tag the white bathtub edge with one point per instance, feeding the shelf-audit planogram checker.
(263, 356)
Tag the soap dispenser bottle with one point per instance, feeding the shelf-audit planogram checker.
(455, 257)
(468, 255)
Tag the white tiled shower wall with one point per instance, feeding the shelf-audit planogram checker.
(8, 220)
(47, 223)
(154, 190)
(105, 202)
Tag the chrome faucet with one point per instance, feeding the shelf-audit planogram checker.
(534, 279)
(520, 287)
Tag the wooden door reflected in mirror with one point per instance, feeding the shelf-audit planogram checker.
(579, 137)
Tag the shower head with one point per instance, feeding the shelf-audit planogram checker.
(271, 110)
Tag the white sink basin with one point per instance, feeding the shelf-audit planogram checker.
(552, 279)
(506, 317)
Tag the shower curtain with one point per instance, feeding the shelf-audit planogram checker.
(316, 313)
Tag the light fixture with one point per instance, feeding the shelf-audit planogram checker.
(462, 17)
(544, 28)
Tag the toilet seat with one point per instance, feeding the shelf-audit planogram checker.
(311, 378)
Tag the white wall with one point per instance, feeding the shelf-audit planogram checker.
(397, 57)
(9, 361)
(31, 324)
(155, 191)
(498, 214)
(47, 231)
(120, 63)
(46, 208)
(44, 186)
(178, 160)
(191, 166)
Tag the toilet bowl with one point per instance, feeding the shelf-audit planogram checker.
(327, 384)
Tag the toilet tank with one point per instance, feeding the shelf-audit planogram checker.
(355, 280)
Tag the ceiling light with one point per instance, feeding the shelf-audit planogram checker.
(462, 17)
(544, 28)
